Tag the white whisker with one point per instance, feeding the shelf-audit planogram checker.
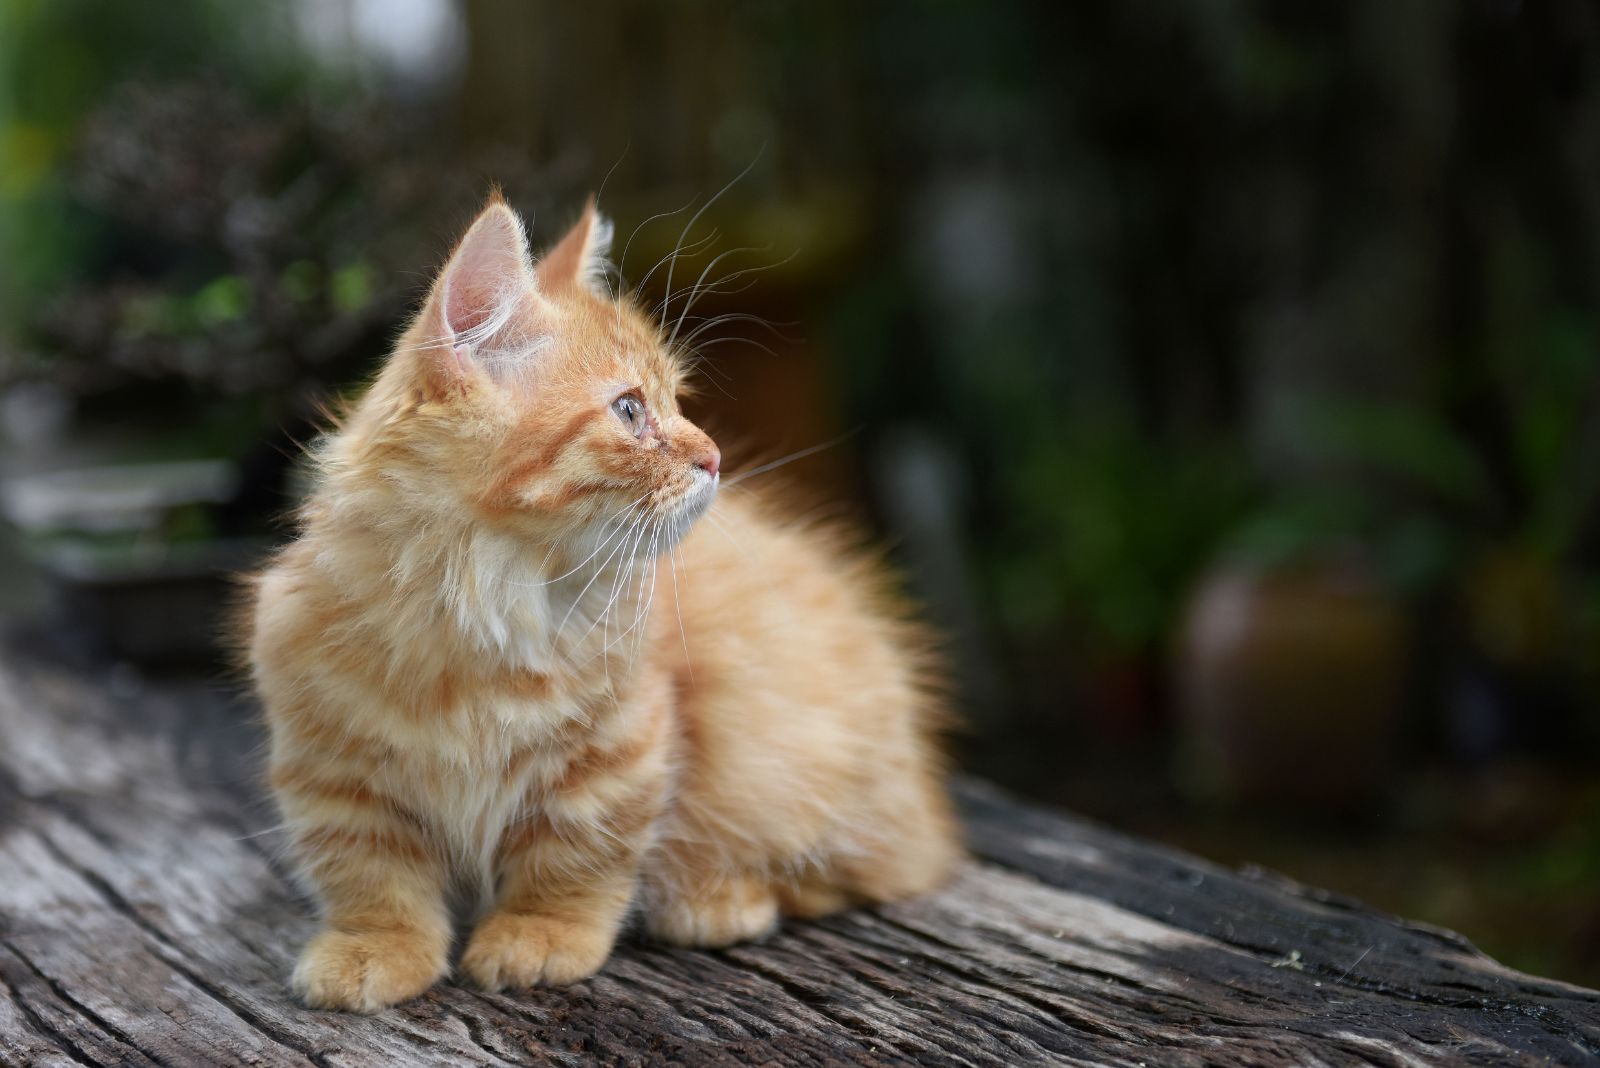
(694, 292)
(700, 289)
(579, 566)
(671, 257)
(703, 208)
(738, 317)
(622, 264)
(561, 627)
(791, 458)
(618, 582)
(677, 604)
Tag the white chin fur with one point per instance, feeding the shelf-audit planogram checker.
(690, 507)
(607, 542)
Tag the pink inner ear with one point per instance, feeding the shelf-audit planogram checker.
(474, 293)
(487, 274)
(463, 356)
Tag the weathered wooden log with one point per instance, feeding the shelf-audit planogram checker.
(144, 919)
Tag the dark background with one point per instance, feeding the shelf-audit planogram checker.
(1225, 376)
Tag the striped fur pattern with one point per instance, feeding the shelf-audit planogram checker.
(522, 666)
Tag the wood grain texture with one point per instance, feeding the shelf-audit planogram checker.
(144, 919)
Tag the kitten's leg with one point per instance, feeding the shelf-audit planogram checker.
(386, 929)
(700, 895)
(697, 904)
(909, 843)
(698, 892)
(813, 896)
(568, 873)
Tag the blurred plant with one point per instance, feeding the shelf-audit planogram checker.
(1124, 523)
(57, 60)
(1492, 519)
(1542, 502)
(264, 254)
(1442, 488)
(255, 235)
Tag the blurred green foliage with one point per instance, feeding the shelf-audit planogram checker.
(1121, 534)
(58, 59)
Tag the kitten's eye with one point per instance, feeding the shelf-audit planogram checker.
(630, 409)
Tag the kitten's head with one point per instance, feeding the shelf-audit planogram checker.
(539, 401)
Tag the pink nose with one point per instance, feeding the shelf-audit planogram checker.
(711, 462)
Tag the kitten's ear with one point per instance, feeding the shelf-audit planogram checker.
(475, 301)
(487, 276)
(580, 257)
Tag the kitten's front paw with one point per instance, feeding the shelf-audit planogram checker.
(514, 950)
(366, 971)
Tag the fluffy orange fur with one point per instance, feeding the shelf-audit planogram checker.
(485, 689)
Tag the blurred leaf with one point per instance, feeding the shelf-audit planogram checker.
(1293, 528)
(300, 281)
(351, 287)
(1558, 454)
(154, 314)
(223, 300)
(1418, 553)
(1127, 523)
(1410, 443)
(29, 152)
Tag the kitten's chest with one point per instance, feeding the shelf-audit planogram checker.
(497, 763)
(500, 758)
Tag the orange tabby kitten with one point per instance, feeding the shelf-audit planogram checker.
(482, 687)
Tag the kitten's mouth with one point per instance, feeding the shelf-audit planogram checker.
(698, 499)
(681, 513)
(695, 502)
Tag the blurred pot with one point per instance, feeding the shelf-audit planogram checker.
(1290, 685)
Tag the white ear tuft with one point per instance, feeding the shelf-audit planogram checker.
(579, 258)
(596, 254)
